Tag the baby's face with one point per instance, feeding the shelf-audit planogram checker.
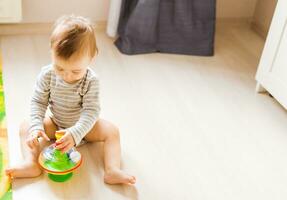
(71, 70)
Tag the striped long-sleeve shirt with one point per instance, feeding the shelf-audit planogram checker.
(74, 107)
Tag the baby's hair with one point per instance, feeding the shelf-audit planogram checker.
(73, 36)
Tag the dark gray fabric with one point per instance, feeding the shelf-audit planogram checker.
(169, 26)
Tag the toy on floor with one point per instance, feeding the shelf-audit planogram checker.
(58, 165)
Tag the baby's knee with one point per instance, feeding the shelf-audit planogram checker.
(113, 132)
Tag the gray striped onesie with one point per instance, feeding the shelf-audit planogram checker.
(74, 107)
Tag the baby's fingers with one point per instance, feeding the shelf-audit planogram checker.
(66, 148)
(42, 134)
(35, 142)
(30, 143)
(60, 145)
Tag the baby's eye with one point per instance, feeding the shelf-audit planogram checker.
(59, 68)
(76, 72)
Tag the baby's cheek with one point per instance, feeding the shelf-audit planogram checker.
(80, 76)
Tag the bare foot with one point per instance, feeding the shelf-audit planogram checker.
(26, 170)
(117, 176)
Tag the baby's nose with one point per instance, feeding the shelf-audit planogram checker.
(67, 76)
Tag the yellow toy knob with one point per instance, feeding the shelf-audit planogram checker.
(59, 134)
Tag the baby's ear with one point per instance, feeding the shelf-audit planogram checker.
(93, 59)
(52, 54)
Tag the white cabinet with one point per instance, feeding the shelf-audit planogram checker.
(10, 11)
(113, 19)
(272, 70)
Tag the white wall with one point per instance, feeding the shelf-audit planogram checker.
(97, 10)
(263, 15)
(235, 8)
(40, 11)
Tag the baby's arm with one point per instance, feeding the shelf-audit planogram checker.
(90, 113)
(39, 101)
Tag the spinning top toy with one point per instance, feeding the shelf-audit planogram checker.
(58, 165)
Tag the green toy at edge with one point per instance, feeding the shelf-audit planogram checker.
(58, 165)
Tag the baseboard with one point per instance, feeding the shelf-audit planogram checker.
(37, 28)
(233, 21)
(45, 28)
(259, 29)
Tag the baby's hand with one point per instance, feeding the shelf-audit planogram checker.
(32, 140)
(65, 143)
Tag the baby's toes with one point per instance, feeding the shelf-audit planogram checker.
(9, 171)
(132, 180)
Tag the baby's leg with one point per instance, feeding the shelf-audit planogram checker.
(30, 166)
(104, 131)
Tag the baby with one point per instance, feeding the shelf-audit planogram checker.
(70, 91)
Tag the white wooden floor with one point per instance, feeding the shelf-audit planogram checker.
(191, 127)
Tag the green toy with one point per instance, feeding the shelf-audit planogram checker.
(58, 165)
